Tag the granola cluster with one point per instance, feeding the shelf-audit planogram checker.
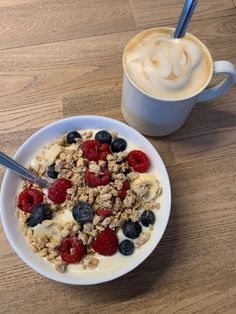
(118, 203)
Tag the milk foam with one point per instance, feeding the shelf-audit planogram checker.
(166, 67)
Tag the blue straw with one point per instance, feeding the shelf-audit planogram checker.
(185, 18)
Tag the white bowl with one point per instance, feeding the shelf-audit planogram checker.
(116, 265)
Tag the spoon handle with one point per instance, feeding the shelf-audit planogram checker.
(10, 163)
(185, 18)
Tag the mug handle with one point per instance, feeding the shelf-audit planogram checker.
(219, 67)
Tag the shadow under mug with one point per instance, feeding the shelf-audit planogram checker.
(156, 117)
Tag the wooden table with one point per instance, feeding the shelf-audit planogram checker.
(60, 58)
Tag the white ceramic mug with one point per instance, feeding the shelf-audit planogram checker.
(157, 117)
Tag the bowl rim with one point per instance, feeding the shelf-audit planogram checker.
(64, 279)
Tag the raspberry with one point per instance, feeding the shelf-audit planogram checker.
(106, 243)
(57, 190)
(94, 150)
(29, 198)
(124, 189)
(72, 250)
(104, 211)
(68, 197)
(90, 150)
(104, 151)
(95, 179)
(138, 160)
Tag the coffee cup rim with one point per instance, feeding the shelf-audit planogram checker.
(167, 99)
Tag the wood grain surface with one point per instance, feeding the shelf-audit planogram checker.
(63, 58)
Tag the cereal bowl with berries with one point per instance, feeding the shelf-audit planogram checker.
(106, 207)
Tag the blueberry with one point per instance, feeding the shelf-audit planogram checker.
(71, 137)
(51, 172)
(148, 218)
(131, 229)
(118, 145)
(82, 213)
(40, 212)
(126, 247)
(103, 136)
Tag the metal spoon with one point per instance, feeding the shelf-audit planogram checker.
(185, 18)
(10, 163)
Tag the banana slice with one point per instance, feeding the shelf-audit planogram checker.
(51, 154)
(48, 228)
(146, 186)
(48, 156)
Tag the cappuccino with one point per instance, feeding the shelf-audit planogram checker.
(167, 68)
